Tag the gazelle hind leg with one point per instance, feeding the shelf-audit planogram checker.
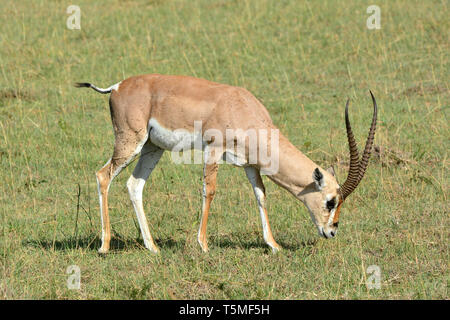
(209, 189)
(150, 156)
(260, 193)
(122, 156)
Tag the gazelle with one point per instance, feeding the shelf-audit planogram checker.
(147, 111)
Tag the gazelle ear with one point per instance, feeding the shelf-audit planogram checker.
(331, 171)
(318, 178)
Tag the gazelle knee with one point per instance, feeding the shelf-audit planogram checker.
(135, 187)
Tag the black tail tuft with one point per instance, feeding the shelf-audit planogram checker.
(83, 85)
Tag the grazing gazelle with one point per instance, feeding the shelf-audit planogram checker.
(148, 112)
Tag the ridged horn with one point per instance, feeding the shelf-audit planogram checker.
(358, 167)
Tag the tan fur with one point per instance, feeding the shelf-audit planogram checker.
(210, 176)
(176, 102)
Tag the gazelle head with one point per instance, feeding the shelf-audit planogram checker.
(324, 197)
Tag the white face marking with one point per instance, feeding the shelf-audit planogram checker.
(333, 211)
(330, 220)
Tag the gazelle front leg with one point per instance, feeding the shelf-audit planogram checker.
(260, 193)
(209, 190)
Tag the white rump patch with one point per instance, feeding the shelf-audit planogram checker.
(116, 86)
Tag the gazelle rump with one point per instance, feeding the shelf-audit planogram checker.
(152, 113)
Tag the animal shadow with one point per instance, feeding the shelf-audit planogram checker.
(119, 243)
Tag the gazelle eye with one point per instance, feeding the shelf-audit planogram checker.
(331, 204)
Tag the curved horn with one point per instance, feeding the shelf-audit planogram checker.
(358, 167)
(353, 173)
(366, 154)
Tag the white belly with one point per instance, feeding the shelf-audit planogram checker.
(183, 140)
(176, 140)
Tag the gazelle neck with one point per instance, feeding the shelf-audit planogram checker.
(295, 169)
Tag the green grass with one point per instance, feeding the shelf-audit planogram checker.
(302, 60)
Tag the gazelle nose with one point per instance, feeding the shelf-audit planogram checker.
(327, 234)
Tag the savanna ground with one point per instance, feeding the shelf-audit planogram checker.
(302, 59)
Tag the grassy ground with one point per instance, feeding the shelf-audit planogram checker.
(302, 59)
